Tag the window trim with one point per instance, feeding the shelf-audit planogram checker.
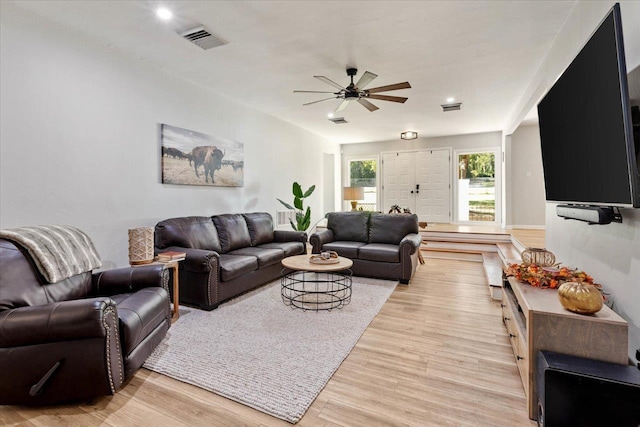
(497, 152)
(346, 176)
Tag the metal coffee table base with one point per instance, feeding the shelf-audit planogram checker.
(316, 291)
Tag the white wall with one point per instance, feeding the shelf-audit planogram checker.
(476, 141)
(79, 139)
(610, 253)
(457, 142)
(506, 188)
(526, 179)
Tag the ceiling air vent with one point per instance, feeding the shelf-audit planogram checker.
(202, 38)
(451, 107)
(338, 120)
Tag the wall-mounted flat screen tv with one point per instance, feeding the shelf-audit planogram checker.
(588, 151)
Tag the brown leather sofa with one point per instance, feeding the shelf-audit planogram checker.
(227, 255)
(78, 338)
(384, 246)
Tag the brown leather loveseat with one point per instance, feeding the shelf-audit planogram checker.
(384, 246)
(226, 254)
(78, 338)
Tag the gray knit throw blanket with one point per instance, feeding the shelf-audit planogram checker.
(59, 251)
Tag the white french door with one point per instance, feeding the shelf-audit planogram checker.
(398, 180)
(419, 181)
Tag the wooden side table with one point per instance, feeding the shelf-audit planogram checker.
(172, 265)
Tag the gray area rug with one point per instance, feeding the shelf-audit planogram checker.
(264, 354)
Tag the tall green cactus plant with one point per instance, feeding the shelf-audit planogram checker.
(303, 218)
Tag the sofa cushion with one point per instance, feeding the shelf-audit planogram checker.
(260, 225)
(345, 249)
(139, 314)
(265, 256)
(391, 228)
(233, 231)
(289, 248)
(349, 226)
(232, 266)
(381, 252)
(195, 232)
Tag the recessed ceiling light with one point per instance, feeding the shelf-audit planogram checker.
(330, 115)
(164, 13)
(450, 99)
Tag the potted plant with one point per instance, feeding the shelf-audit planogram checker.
(303, 217)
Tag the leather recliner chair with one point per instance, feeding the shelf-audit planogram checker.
(79, 338)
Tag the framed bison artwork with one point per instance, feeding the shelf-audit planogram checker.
(194, 158)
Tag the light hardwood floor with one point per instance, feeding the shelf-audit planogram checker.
(436, 354)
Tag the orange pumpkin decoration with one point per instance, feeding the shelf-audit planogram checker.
(579, 297)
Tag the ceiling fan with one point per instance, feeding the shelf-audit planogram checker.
(357, 91)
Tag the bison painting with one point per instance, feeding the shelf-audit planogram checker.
(236, 165)
(208, 156)
(202, 152)
(173, 152)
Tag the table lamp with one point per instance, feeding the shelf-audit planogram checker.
(353, 194)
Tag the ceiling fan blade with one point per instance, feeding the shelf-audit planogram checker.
(388, 98)
(313, 102)
(404, 85)
(330, 82)
(366, 78)
(369, 106)
(342, 106)
(312, 91)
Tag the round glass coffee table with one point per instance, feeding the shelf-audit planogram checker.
(316, 287)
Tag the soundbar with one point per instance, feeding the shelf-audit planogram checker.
(590, 214)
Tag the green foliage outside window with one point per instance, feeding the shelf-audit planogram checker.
(363, 173)
(479, 165)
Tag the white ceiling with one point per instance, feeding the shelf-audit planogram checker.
(482, 53)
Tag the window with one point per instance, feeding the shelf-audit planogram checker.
(363, 172)
(477, 187)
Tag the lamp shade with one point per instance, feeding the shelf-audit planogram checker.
(140, 245)
(353, 193)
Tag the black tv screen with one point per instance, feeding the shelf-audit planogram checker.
(588, 152)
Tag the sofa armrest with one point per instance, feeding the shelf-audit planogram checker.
(198, 260)
(60, 352)
(58, 321)
(129, 279)
(290, 236)
(410, 243)
(319, 238)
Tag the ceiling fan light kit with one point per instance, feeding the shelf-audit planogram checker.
(357, 91)
(409, 135)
